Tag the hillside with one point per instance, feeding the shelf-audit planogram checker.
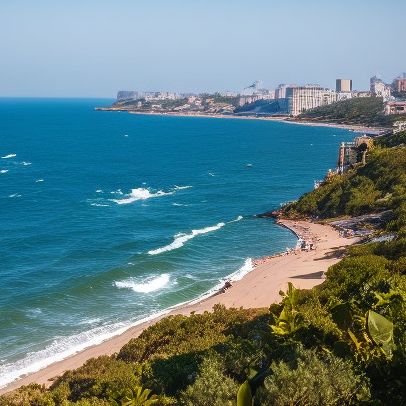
(340, 343)
(377, 186)
(363, 110)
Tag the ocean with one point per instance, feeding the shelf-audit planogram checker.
(109, 218)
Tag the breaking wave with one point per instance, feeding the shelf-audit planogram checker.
(140, 194)
(4, 171)
(148, 285)
(181, 238)
(8, 156)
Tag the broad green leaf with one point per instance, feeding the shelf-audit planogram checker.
(381, 331)
(244, 395)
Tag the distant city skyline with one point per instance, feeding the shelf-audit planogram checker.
(95, 48)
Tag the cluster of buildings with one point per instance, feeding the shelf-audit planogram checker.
(123, 95)
(298, 99)
(286, 99)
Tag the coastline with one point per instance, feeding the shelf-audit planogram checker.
(288, 120)
(258, 288)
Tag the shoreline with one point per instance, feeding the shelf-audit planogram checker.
(281, 119)
(257, 288)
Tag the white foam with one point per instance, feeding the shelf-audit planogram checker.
(8, 156)
(39, 180)
(140, 194)
(182, 187)
(181, 238)
(179, 204)
(211, 174)
(99, 191)
(148, 285)
(237, 219)
(4, 171)
(26, 163)
(63, 347)
(14, 195)
(99, 205)
(246, 268)
(90, 321)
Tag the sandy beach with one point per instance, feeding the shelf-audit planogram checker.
(351, 127)
(258, 288)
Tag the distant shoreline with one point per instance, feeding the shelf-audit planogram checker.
(289, 120)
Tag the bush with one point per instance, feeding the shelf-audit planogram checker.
(101, 377)
(176, 335)
(30, 395)
(355, 278)
(314, 380)
(211, 387)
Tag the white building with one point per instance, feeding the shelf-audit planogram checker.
(380, 89)
(280, 91)
(307, 97)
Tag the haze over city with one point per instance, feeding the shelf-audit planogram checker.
(95, 48)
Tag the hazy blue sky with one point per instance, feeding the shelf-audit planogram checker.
(96, 47)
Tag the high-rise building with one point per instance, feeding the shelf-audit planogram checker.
(280, 91)
(308, 97)
(343, 85)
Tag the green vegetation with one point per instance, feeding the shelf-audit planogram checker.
(340, 343)
(362, 110)
(379, 185)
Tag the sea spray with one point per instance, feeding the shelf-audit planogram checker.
(146, 193)
(148, 285)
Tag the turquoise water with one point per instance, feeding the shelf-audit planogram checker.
(107, 218)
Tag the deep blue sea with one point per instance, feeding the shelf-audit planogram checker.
(107, 218)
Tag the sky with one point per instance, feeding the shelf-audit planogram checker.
(93, 48)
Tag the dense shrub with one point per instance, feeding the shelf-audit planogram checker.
(176, 335)
(313, 380)
(31, 395)
(101, 377)
(211, 386)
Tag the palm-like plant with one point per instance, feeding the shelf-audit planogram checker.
(140, 397)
